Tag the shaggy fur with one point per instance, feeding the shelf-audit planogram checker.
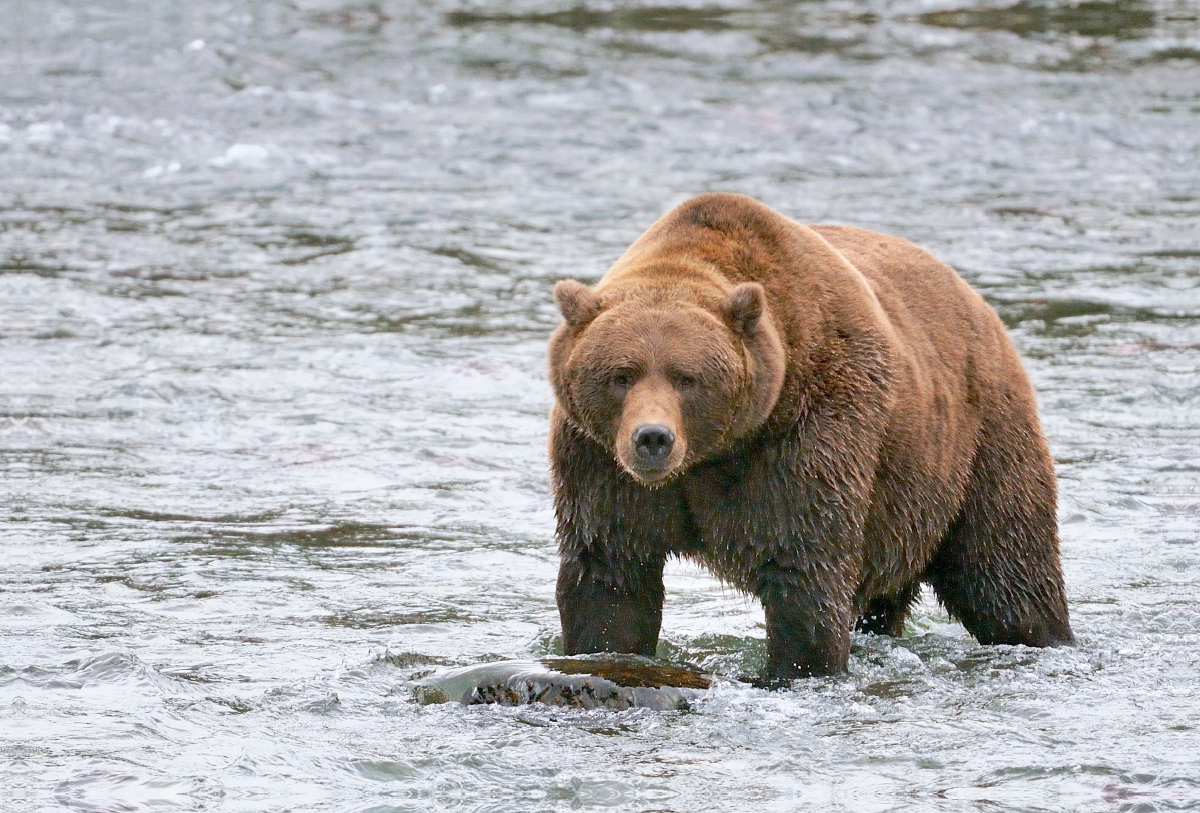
(845, 419)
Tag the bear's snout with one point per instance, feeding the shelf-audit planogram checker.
(653, 442)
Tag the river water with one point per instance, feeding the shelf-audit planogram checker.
(275, 294)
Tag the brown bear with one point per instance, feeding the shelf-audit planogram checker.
(824, 416)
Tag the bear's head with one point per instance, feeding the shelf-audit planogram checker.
(665, 379)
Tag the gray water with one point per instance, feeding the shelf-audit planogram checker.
(275, 294)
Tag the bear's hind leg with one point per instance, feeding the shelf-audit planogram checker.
(885, 615)
(998, 569)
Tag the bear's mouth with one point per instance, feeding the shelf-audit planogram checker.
(647, 476)
(651, 475)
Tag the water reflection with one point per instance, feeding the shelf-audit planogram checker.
(1123, 19)
(275, 293)
(869, 30)
(581, 18)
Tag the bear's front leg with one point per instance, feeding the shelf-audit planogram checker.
(783, 521)
(808, 630)
(613, 536)
(610, 609)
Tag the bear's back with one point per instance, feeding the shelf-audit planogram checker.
(950, 333)
(911, 283)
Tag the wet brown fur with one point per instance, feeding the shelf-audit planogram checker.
(851, 420)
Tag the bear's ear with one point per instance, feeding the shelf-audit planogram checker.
(577, 302)
(744, 307)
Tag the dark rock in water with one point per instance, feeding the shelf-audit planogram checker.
(587, 683)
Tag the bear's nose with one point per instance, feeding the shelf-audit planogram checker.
(653, 442)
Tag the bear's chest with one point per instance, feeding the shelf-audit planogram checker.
(740, 510)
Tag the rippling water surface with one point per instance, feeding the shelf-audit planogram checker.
(275, 293)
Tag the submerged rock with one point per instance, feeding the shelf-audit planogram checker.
(587, 683)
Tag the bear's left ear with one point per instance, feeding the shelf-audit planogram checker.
(576, 301)
(744, 307)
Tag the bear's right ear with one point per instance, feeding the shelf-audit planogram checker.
(577, 302)
(745, 307)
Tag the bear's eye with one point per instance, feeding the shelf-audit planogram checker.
(683, 381)
(622, 379)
